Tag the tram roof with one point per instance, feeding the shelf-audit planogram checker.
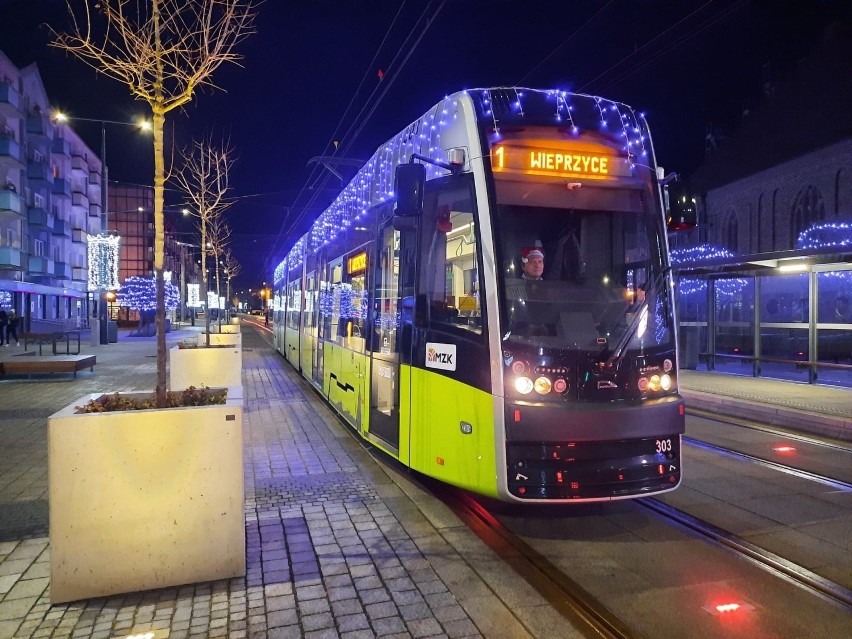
(496, 109)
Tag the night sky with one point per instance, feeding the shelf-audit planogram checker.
(686, 63)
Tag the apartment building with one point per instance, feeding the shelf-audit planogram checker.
(50, 194)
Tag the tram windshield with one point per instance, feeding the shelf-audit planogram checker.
(601, 286)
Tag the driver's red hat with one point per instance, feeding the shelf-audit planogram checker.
(530, 251)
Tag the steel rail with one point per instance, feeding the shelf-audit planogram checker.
(755, 425)
(837, 484)
(765, 559)
(570, 599)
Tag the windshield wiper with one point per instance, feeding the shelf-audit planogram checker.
(643, 311)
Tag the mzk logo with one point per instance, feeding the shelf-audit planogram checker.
(441, 356)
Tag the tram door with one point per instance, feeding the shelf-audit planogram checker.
(390, 317)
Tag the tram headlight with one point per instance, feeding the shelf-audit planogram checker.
(665, 381)
(524, 385)
(654, 383)
(542, 386)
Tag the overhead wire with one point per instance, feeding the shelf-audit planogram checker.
(668, 48)
(567, 40)
(367, 73)
(377, 95)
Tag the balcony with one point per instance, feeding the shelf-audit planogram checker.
(60, 146)
(61, 187)
(39, 219)
(11, 203)
(94, 178)
(79, 166)
(38, 125)
(40, 173)
(40, 265)
(79, 274)
(94, 209)
(10, 100)
(80, 199)
(61, 228)
(10, 153)
(78, 236)
(61, 270)
(10, 258)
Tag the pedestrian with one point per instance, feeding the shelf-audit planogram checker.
(4, 323)
(12, 328)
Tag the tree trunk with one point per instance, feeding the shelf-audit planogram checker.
(204, 279)
(159, 242)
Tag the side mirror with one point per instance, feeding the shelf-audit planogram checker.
(409, 184)
(682, 214)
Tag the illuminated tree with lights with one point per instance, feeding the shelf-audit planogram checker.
(139, 293)
(162, 50)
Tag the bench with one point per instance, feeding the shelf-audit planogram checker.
(30, 364)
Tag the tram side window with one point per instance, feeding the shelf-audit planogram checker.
(294, 304)
(329, 300)
(450, 255)
(310, 302)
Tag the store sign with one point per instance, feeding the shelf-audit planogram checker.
(357, 263)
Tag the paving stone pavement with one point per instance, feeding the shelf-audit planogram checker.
(338, 544)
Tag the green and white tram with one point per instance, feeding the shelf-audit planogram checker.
(410, 306)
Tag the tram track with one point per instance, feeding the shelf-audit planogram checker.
(765, 428)
(767, 463)
(571, 600)
(764, 559)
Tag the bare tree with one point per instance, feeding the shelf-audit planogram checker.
(204, 178)
(163, 50)
(232, 270)
(219, 235)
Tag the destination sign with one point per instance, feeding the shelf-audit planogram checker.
(573, 163)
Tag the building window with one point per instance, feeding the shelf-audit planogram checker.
(808, 209)
(732, 233)
(38, 248)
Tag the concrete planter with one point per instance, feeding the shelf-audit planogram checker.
(221, 339)
(144, 499)
(214, 367)
(228, 328)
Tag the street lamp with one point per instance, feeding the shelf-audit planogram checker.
(143, 125)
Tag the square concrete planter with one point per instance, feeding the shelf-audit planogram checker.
(221, 339)
(227, 328)
(214, 367)
(144, 499)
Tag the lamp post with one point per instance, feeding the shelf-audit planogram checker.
(183, 289)
(102, 319)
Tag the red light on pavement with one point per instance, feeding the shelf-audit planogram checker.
(728, 608)
(731, 607)
(784, 450)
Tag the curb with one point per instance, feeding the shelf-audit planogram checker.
(815, 423)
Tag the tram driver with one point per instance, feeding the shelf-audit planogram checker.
(532, 263)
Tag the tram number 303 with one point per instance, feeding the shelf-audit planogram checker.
(664, 445)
